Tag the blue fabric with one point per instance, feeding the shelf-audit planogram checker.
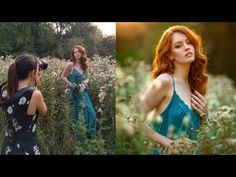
(177, 119)
(81, 102)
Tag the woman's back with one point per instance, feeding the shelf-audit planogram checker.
(20, 137)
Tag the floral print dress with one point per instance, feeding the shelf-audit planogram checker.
(20, 137)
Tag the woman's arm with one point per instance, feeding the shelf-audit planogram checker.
(37, 104)
(150, 100)
(65, 73)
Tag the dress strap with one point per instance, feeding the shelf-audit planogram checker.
(173, 83)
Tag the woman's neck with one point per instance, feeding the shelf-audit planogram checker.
(78, 62)
(182, 72)
(23, 84)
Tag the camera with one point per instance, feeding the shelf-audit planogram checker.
(43, 64)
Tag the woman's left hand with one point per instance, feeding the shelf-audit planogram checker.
(199, 103)
(82, 87)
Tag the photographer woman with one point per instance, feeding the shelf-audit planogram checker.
(75, 76)
(22, 103)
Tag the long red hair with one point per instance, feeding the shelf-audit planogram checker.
(83, 59)
(162, 64)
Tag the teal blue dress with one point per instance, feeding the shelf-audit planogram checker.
(177, 119)
(81, 103)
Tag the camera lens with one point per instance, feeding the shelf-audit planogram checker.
(43, 64)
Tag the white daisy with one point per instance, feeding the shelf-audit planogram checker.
(14, 122)
(15, 125)
(26, 153)
(18, 146)
(9, 110)
(8, 150)
(22, 101)
(36, 150)
(34, 128)
(4, 93)
(18, 128)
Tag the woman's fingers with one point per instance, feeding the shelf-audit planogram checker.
(197, 104)
(196, 108)
(199, 101)
(201, 97)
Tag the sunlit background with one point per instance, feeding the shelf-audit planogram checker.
(138, 41)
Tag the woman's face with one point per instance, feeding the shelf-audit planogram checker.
(182, 50)
(77, 53)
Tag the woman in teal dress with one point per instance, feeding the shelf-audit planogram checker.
(76, 76)
(177, 92)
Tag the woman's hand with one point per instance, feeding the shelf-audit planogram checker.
(37, 78)
(81, 87)
(85, 82)
(72, 85)
(199, 103)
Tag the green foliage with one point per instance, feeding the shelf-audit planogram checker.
(53, 39)
(107, 45)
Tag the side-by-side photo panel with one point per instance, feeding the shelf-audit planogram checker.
(175, 88)
(57, 93)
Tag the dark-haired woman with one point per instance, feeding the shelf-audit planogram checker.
(22, 103)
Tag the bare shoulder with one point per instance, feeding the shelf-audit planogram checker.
(69, 64)
(37, 95)
(163, 81)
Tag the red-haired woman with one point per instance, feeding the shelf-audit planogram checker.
(75, 76)
(178, 89)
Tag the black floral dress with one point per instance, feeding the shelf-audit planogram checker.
(20, 137)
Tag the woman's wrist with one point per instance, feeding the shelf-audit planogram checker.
(70, 84)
